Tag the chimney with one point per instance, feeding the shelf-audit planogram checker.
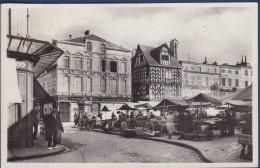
(205, 62)
(242, 60)
(245, 59)
(86, 32)
(174, 46)
(54, 42)
(70, 36)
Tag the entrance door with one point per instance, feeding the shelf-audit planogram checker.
(65, 111)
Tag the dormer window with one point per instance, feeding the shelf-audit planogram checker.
(103, 48)
(141, 58)
(165, 57)
(89, 47)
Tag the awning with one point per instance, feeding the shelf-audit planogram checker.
(171, 105)
(240, 103)
(205, 98)
(125, 107)
(10, 84)
(42, 53)
(40, 95)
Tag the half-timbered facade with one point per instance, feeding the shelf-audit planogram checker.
(156, 73)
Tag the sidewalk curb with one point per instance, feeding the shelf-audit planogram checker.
(169, 142)
(36, 156)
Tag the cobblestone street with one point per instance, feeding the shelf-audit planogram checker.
(95, 147)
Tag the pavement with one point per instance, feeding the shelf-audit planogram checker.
(218, 150)
(97, 147)
(38, 150)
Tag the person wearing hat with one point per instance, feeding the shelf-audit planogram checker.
(51, 124)
(170, 124)
(35, 125)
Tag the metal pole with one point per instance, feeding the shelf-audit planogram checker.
(27, 33)
(10, 23)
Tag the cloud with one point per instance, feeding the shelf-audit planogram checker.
(219, 33)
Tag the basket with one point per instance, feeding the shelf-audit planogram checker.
(244, 139)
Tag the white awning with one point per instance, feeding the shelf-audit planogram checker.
(10, 82)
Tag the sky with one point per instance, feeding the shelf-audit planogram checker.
(221, 34)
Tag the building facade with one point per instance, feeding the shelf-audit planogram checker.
(156, 72)
(91, 71)
(214, 79)
(235, 77)
(199, 78)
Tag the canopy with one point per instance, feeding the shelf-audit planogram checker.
(41, 95)
(125, 107)
(202, 97)
(105, 109)
(144, 106)
(244, 95)
(42, 53)
(240, 103)
(172, 104)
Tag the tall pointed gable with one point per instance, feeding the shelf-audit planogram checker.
(152, 55)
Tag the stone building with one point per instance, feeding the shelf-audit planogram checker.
(199, 78)
(214, 79)
(235, 77)
(156, 72)
(91, 71)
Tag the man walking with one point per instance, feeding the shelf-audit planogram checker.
(51, 124)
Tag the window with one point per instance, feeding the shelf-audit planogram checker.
(246, 83)
(123, 86)
(103, 85)
(237, 72)
(199, 69)
(165, 57)
(77, 84)
(192, 68)
(89, 64)
(215, 70)
(113, 66)
(229, 71)
(223, 70)
(207, 81)
(229, 82)
(66, 85)
(78, 63)
(168, 91)
(103, 48)
(88, 84)
(113, 86)
(192, 80)
(199, 80)
(246, 72)
(237, 83)
(168, 73)
(141, 58)
(123, 67)
(103, 65)
(66, 62)
(89, 47)
(223, 82)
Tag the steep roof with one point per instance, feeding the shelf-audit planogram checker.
(151, 53)
(96, 38)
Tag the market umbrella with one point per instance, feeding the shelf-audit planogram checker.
(105, 109)
(202, 97)
(126, 107)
